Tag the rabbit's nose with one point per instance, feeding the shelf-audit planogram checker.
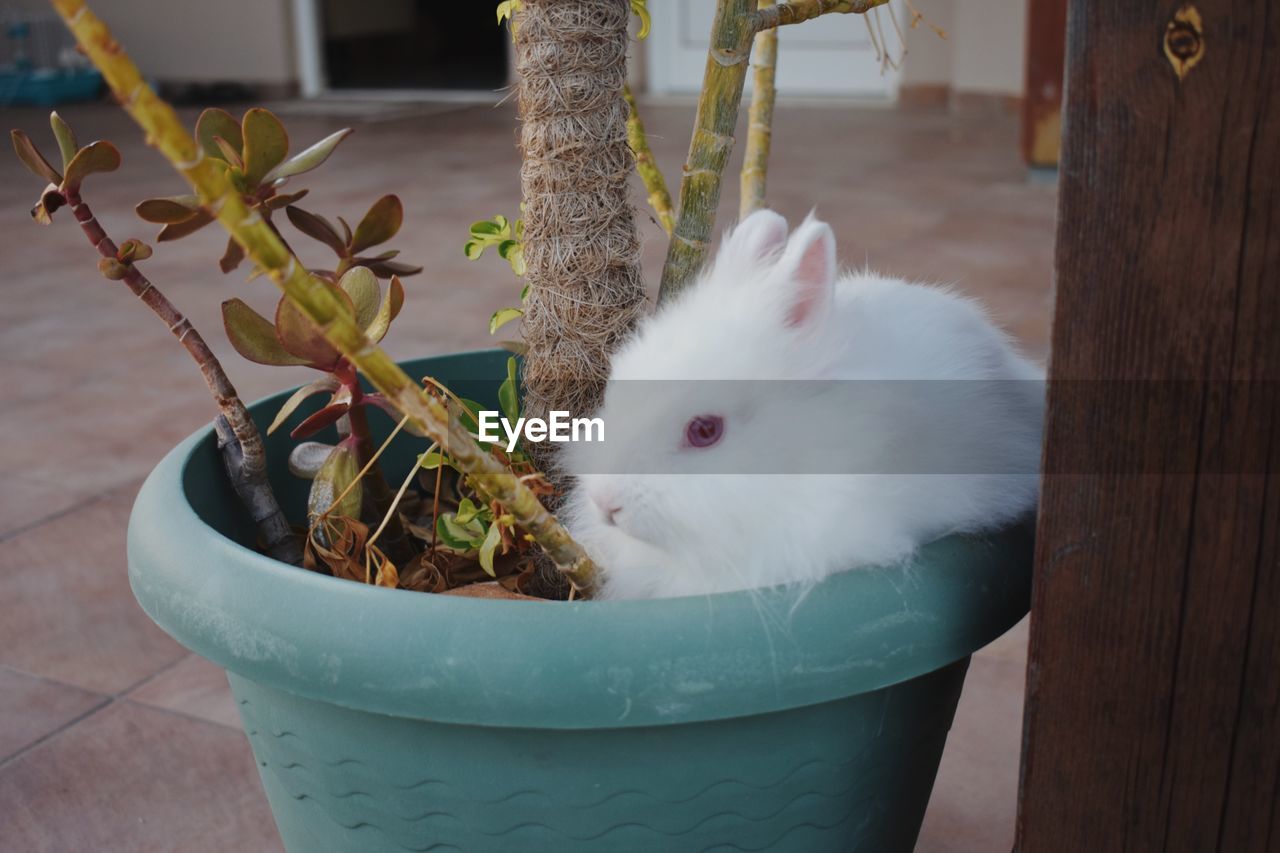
(608, 506)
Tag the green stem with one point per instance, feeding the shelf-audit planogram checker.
(736, 24)
(712, 142)
(647, 165)
(755, 163)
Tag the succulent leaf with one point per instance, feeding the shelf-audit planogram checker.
(298, 335)
(178, 230)
(307, 458)
(32, 158)
(164, 211)
(387, 311)
(216, 124)
(66, 137)
(362, 286)
(307, 159)
(232, 257)
(321, 419)
(97, 156)
(325, 384)
(265, 144)
(386, 269)
(112, 269)
(379, 225)
(503, 316)
(317, 227)
(253, 336)
(337, 473)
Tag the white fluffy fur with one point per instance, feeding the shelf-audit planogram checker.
(773, 308)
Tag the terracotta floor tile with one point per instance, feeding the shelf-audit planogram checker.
(66, 611)
(27, 500)
(32, 708)
(194, 687)
(133, 779)
(975, 798)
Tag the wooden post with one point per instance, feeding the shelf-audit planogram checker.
(1042, 95)
(1153, 699)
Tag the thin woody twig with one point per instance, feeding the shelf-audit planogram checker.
(238, 437)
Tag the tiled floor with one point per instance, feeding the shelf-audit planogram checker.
(112, 738)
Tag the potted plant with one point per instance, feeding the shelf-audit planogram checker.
(390, 719)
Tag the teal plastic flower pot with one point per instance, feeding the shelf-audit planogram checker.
(392, 720)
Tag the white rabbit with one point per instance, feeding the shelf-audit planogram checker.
(741, 482)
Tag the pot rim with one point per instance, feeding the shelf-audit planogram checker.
(562, 665)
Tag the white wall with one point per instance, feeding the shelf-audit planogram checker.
(202, 41)
(983, 52)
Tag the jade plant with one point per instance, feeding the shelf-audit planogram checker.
(478, 511)
(356, 528)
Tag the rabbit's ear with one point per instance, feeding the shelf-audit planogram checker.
(810, 266)
(759, 236)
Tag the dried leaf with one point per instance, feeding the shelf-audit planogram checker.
(308, 158)
(317, 227)
(66, 137)
(165, 211)
(337, 543)
(95, 157)
(265, 144)
(218, 123)
(386, 574)
(253, 335)
(379, 225)
(32, 158)
(325, 384)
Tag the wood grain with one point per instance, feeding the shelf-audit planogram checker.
(1154, 675)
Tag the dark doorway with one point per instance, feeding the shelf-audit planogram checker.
(413, 44)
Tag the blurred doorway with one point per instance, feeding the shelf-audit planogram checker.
(399, 47)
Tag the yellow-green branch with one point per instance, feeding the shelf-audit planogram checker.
(647, 166)
(712, 142)
(318, 301)
(736, 24)
(755, 163)
(798, 11)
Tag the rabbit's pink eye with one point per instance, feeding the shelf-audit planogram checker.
(704, 430)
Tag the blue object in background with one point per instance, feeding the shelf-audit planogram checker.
(22, 81)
